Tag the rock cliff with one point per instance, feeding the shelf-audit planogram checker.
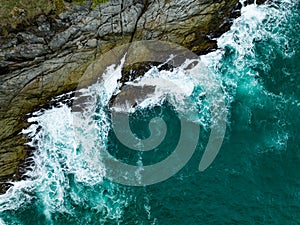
(48, 57)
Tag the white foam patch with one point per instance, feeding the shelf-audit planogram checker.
(256, 23)
(56, 156)
(167, 84)
(111, 77)
(62, 140)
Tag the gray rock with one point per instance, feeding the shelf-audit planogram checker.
(130, 16)
(44, 27)
(65, 15)
(43, 24)
(111, 9)
(92, 43)
(10, 43)
(31, 38)
(79, 8)
(104, 30)
(91, 26)
(62, 38)
(96, 12)
(29, 51)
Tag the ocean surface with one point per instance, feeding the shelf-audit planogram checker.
(254, 179)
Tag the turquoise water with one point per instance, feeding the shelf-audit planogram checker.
(254, 179)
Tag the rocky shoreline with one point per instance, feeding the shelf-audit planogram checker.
(49, 57)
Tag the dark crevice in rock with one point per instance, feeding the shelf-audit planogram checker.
(4, 70)
(121, 18)
(258, 2)
(144, 9)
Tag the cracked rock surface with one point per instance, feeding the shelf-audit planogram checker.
(49, 57)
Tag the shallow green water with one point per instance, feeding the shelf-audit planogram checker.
(255, 178)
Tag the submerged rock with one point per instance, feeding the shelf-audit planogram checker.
(49, 57)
